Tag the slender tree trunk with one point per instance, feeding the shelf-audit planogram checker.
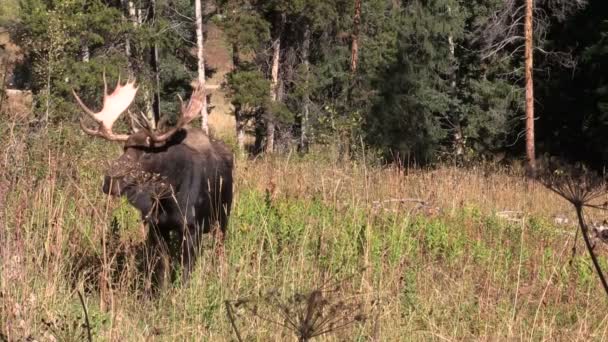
(354, 57)
(240, 128)
(530, 151)
(155, 63)
(156, 68)
(86, 53)
(457, 135)
(139, 19)
(274, 85)
(129, 8)
(201, 62)
(306, 99)
(132, 12)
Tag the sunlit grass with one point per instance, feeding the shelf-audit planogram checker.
(434, 254)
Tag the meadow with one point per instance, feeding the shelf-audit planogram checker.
(397, 254)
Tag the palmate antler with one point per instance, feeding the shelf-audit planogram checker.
(120, 99)
(114, 105)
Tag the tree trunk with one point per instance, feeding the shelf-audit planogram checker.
(306, 99)
(240, 128)
(458, 143)
(86, 53)
(530, 153)
(129, 7)
(154, 63)
(274, 85)
(354, 57)
(201, 62)
(156, 68)
(270, 128)
(140, 18)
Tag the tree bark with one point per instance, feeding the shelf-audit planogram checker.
(155, 64)
(354, 57)
(274, 84)
(139, 18)
(529, 64)
(86, 53)
(201, 62)
(458, 142)
(129, 8)
(306, 99)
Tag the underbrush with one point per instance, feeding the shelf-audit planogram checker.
(435, 254)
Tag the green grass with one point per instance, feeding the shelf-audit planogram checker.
(462, 274)
(9, 11)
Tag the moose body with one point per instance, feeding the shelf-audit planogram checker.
(183, 185)
(180, 181)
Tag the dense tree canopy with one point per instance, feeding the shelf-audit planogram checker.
(435, 78)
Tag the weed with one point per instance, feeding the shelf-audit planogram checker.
(307, 314)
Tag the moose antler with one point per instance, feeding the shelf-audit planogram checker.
(189, 113)
(114, 105)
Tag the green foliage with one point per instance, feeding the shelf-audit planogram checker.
(249, 88)
(9, 12)
(431, 89)
(71, 43)
(425, 88)
(55, 32)
(245, 29)
(413, 94)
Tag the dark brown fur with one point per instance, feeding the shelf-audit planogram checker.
(183, 185)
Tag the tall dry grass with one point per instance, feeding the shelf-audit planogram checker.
(435, 254)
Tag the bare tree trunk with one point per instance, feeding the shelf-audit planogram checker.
(354, 57)
(129, 7)
(132, 12)
(86, 53)
(156, 68)
(201, 62)
(274, 85)
(140, 18)
(240, 128)
(457, 135)
(154, 61)
(530, 152)
(306, 99)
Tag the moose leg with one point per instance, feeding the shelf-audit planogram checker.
(190, 243)
(158, 256)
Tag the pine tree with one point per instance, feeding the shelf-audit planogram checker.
(437, 95)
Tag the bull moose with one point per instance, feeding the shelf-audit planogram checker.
(180, 180)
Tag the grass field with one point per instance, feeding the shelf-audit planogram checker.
(9, 10)
(480, 259)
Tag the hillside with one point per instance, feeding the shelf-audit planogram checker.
(218, 58)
